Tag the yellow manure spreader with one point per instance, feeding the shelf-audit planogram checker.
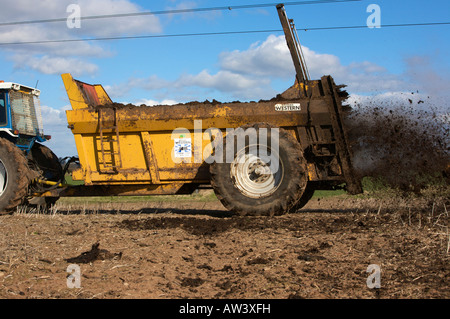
(261, 158)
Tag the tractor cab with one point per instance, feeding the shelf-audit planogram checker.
(20, 115)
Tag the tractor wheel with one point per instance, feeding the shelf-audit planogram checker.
(49, 166)
(263, 178)
(304, 199)
(14, 176)
(47, 162)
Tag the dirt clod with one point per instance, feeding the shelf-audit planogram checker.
(192, 282)
(94, 254)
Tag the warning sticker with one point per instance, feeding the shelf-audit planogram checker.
(183, 147)
(288, 107)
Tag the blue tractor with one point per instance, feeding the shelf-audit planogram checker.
(27, 167)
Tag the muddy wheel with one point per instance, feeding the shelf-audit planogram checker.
(47, 162)
(48, 165)
(305, 198)
(14, 177)
(261, 178)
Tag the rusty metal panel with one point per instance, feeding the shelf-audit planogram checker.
(152, 163)
(354, 185)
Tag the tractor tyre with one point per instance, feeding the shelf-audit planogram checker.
(265, 178)
(14, 176)
(47, 162)
(49, 166)
(305, 198)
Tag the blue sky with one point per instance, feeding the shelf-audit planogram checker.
(243, 67)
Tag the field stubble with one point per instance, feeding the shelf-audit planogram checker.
(193, 248)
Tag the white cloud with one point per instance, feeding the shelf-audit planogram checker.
(52, 117)
(224, 80)
(29, 10)
(269, 58)
(40, 56)
(149, 83)
(149, 102)
(116, 26)
(430, 73)
(54, 121)
(272, 58)
(54, 65)
(250, 74)
(201, 86)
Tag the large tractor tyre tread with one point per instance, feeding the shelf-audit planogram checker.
(283, 200)
(18, 176)
(47, 162)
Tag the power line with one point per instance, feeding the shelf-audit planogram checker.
(218, 33)
(381, 26)
(140, 37)
(177, 11)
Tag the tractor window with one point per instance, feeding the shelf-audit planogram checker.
(2, 109)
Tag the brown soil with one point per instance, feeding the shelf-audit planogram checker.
(199, 250)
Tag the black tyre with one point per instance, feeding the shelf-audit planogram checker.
(14, 176)
(305, 198)
(46, 162)
(260, 184)
(49, 167)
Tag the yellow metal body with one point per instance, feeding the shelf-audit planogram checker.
(146, 137)
(131, 150)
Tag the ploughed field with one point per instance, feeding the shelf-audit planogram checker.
(190, 247)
